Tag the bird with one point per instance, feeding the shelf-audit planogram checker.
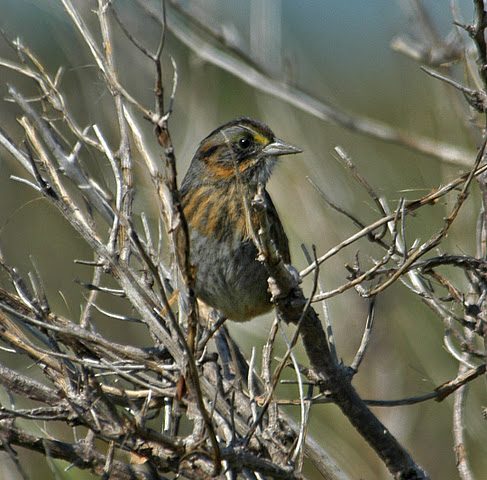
(223, 177)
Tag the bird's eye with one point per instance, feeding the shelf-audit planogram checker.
(245, 142)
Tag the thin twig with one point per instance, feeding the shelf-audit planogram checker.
(359, 356)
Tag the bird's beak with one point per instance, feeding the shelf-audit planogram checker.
(278, 147)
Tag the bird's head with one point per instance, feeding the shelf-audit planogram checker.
(243, 148)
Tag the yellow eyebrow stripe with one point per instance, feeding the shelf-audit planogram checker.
(259, 138)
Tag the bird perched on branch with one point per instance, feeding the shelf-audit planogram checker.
(223, 178)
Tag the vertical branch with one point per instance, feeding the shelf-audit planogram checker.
(477, 32)
(179, 234)
(123, 154)
(460, 396)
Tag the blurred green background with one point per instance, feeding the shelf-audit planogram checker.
(340, 53)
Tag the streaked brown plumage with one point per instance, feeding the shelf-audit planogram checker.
(221, 181)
